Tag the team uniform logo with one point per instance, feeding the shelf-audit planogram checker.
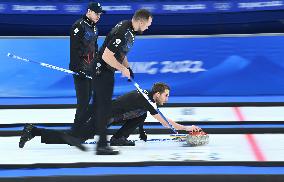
(117, 42)
(76, 30)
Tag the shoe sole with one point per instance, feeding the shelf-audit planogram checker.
(107, 153)
(24, 135)
(22, 143)
(122, 145)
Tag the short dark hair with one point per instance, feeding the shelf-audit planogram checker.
(160, 87)
(142, 14)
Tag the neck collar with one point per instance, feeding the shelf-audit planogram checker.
(88, 20)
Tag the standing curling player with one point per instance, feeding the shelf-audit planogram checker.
(113, 57)
(83, 54)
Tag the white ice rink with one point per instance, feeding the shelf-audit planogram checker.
(229, 147)
(12, 116)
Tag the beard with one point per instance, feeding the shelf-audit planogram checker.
(159, 103)
(139, 31)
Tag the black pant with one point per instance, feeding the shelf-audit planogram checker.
(87, 131)
(102, 98)
(80, 128)
(49, 136)
(129, 126)
(83, 87)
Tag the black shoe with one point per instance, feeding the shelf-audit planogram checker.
(106, 151)
(73, 141)
(26, 135)
(121, 142)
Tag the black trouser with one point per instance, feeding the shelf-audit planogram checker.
(101, 107)
(83, 87)
(129, 126)
(50, 136)
(102, 98)
(80, 128)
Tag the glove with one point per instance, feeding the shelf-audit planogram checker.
(143, 136)
(131, 74)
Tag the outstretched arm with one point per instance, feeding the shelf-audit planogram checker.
(175, 125)
(182, 127)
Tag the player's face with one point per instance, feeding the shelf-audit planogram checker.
(163, 97)
(144, 25)
(95, 17)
